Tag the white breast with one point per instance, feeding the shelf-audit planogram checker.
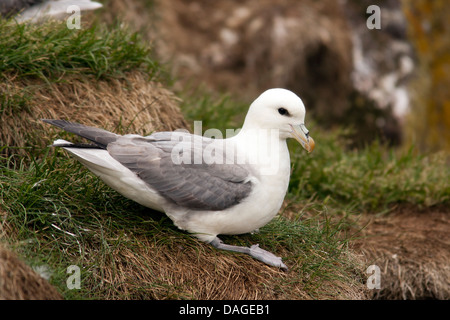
(254, 212)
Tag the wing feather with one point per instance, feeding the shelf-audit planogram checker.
(199, 186)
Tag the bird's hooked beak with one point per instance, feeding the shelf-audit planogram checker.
(301, 134)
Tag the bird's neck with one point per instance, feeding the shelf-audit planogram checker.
(265, 148)
(256, 135)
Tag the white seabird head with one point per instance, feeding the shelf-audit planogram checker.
(282, 110)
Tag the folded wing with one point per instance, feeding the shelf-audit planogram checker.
(198, 185)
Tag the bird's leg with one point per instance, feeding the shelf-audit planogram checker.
(255, 251)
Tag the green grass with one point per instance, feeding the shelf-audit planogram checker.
(369, 179)
(51, 50)
(14, 100)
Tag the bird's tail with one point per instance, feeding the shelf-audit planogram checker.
(101, 138)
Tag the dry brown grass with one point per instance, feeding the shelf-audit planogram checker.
(131, 105)
(19, 282)
(145, 269)
(411, 249)
(163, 266)
(159, 271)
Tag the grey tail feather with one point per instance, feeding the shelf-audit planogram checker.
(77, 146)
(99, 136)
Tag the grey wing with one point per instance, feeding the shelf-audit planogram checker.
(199, 186)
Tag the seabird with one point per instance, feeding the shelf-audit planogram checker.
(206, 186)
(36, 10)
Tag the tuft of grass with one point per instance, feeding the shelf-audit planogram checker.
(14, 100)
(50, 50)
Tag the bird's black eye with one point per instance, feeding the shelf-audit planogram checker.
(283, 112)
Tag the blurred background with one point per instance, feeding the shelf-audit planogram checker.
(389, 83)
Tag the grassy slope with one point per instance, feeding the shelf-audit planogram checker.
(59, 214)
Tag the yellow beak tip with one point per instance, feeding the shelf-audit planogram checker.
(311, 144)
